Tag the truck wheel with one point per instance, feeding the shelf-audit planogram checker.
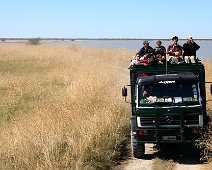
(138, 149)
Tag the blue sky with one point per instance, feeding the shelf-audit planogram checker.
(105, 18)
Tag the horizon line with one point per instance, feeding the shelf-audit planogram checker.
(98, 38)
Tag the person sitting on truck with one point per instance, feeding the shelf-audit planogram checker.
(160, 52)
(174, 51)
(190, 48)
(146, 49)
(135, 60)
(146, 53)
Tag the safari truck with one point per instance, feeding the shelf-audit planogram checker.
(168, 104)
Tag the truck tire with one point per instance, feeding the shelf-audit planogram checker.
(138, 149)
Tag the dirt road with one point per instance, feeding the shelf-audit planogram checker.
(164, 158)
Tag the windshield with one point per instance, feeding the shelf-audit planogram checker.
(168, 94)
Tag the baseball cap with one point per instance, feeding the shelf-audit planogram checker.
(145, 42)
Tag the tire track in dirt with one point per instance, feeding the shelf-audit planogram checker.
(137, 164)
(170, 157)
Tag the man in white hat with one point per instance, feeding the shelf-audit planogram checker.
(190, 48)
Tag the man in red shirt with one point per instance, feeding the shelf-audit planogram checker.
(174, 51)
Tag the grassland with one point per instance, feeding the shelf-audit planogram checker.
(206, 142)
(61, 107)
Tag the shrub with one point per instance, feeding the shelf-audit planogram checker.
(33, 41)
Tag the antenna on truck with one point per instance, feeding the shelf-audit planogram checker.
(166, 64)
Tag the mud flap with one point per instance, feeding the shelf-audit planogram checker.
(133, 123)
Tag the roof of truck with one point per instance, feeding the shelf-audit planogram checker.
(170, 67)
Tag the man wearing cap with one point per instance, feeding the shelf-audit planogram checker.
(174, 51)
(146, 53)
(146, 49)
(190, 48)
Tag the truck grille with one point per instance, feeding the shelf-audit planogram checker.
(169, 120)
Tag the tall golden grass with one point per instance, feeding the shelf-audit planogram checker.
(208, 68)
(61, 107)
(205, 143)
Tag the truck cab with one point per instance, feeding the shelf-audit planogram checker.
(168, 104)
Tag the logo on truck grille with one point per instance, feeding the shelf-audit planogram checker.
(169, 118)
(166, 82)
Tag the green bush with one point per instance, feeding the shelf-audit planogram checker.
(33, 41)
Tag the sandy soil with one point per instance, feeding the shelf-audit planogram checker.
(160, 160)
(136, 164)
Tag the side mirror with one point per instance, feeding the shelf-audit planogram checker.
(211, 89)
(124, 91)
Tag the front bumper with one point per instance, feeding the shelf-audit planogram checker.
(168, 135)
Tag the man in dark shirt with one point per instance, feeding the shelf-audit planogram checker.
(190, 48)
(160, 52)
(146, 53)
(146, 50)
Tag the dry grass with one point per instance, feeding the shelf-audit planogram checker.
(205, 144)
(208, 68)
(61, 107)
(160, 164)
